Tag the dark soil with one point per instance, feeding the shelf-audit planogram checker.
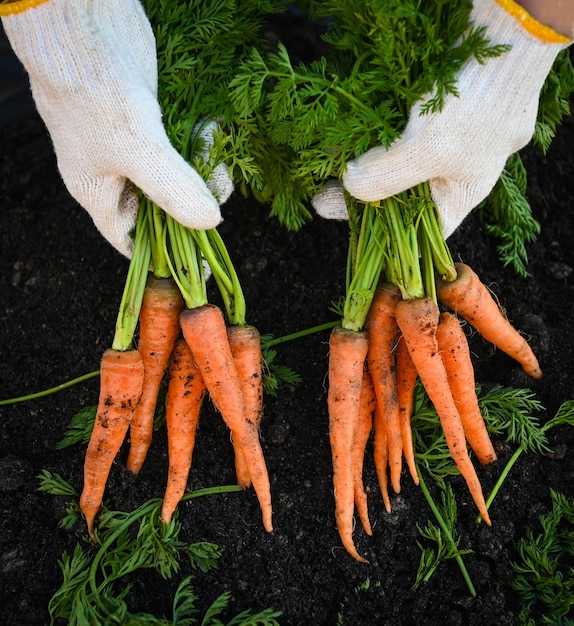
(60, 284)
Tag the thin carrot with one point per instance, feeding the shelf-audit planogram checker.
(406, 380)
(418, 321)
(347, 354)
(381, 456)
(460, 371)
(121, 383)
(367, 404)
(185, 393)
(245, 344)
(205, 332)
(381, 326)
(159, 328)
(468, 297)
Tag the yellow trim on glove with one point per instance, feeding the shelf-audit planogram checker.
(534, 27)
(13, 7)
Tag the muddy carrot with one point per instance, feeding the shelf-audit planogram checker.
(382, 329)
(418, 321)
(367, 404)
(406, 381)
(205, 332)
(468, 297)
(121, 383)
(245, 344)
(185, 393)
(460, 372)
(159, 328)
(347, 353)
(381, 456)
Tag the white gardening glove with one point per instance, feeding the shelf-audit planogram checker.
(93, 74)
(462, 149)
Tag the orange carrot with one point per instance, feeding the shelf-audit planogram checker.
(460, 372)
(159, 328)
(468, 297)
(381, 455)
(381, 326)
(185, 393)
(347, 353)
(418, 321)
(406, 381)
(205, 332)
(121, 383)
(245, 344)
(367, 403)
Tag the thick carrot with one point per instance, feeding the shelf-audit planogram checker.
(245, 344)
(205, 332)
(418, 321)
(159, 328)
(367, 404)
(185, 393)
(460, 371)
(347, 354)
(406, 381)
(468, 297)
(381, 326)
(121, 383)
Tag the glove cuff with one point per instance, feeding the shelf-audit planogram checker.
(13, 7)
(534, 27)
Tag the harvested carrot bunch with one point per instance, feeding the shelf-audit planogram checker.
(200, 348)
(316, 118)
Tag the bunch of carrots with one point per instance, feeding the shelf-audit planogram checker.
(180, 333)
(393, 332)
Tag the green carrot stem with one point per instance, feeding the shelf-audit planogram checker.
(132, 296)
(157, 234)
(446, 531)
(186, 264)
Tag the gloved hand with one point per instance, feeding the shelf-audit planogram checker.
(462, 149)
(93, 75)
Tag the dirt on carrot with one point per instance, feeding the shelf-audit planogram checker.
(418, 322)
(185, 393)
(406, 380)
(121, 384)
(159, 328)
(347, 354)
(460, 373)
(206, 334)
(468, 297)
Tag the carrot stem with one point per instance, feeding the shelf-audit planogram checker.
(132, 296)
(446, 531)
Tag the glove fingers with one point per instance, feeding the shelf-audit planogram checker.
(381, 172)
(330, 203)
(116, 212)
(165, 177)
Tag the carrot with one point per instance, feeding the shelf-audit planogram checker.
(381, 456)
(406, 381)
(468, 297)
(245, 344)
(460, 372)
(347, 354)
(185, 393)
(159, 327)
(367, 404)
(206, 335)
(381, 326)
(418, 321)
(121, 383)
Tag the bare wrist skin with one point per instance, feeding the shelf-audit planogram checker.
(558, 14)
